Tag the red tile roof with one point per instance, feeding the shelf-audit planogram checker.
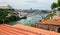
(51, 21)
(23, 30)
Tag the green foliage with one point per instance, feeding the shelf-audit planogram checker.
(58, 3)
(54, 5)
(59, 9)
(3, 14)
(49, 16)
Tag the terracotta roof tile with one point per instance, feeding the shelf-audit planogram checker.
(35, 30)
(51, 21)
(23, 30)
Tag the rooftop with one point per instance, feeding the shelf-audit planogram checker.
(54, 21)
(23, 30)
(51, 22)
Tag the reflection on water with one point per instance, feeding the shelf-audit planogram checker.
(29, 21)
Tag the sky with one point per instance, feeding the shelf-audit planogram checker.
(27, 4)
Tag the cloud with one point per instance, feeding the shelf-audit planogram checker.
(25, 4)
(30, 1)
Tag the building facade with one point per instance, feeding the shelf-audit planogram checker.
(50, 24)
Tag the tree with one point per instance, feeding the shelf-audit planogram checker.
(3, 14)
(49, 16)
(58, 3)
(54, 5)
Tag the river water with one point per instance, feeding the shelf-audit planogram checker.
(30, 20)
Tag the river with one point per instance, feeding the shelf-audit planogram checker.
(30, 20)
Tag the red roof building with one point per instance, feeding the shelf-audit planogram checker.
(23, 30)
(50, 24)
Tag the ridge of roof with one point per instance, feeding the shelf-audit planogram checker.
(51, 21)
(39, 31)
(23, 30)
(11, 30)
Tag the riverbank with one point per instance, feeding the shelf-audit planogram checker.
(29, 21)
